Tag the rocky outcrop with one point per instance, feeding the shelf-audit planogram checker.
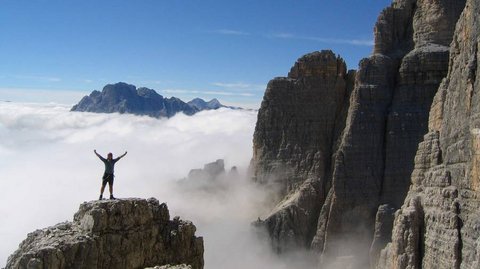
(438, 226)
(299, 122)
(347, 181)
(126, 98)
(130, 233)
(210, 171)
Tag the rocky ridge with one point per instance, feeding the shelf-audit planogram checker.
(340, 183)
(124, 233)
(125, 98)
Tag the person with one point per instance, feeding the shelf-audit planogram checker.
(108, 174)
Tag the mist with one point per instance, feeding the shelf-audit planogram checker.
(47, 168)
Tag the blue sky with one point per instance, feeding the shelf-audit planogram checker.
(58, 50)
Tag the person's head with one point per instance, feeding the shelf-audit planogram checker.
(110, 156)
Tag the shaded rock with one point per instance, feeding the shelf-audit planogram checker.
(438, 226)
(299, 121)
(130, 233)
(210, 171)
(383, 231)
(335, 162)
(387, 118)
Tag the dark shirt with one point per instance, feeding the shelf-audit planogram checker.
(109, 164)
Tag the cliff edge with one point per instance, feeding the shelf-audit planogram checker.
(126, 233)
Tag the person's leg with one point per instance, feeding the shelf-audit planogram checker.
(110, 187)
(102, 189)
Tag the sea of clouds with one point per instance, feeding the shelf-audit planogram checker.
(47, 168)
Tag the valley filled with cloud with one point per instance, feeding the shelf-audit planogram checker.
(48, 168)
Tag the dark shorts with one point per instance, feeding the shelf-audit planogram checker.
(107, 178)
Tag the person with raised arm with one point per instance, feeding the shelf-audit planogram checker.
(108, 174)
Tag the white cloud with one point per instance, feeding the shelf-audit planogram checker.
(355, 42)
(48, 168)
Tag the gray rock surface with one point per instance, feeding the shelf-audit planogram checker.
(298, 124)
(339, 174)
(125, 98)
(210, 171)
(438, 226)
(124, 233)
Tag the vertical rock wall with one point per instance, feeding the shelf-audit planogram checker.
(298, 123)
(438, 226)
(387, 119)
(367, 164)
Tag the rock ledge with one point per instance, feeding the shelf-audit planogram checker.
(126, 233)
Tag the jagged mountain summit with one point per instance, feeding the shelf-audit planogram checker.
(201, 104)
(340, 146)
(125, 98)
(123, 234)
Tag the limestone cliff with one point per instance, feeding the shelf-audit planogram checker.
(387, 118)
(336, 170)
(438, 226)
(130, 233)
(300, 119)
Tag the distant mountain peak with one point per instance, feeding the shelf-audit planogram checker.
(200, 104)
(122, 97)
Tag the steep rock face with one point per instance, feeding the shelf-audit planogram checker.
(299, 121)
(125, 98)
(387, 119)
(131, 233)
(369, 165)
(438, 226)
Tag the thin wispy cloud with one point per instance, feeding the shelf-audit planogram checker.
(37, 78)
(232, 85)
(355, 42)
(230, 32)
(238, 85)
(327, 40)
(222, 93)
(225, 93)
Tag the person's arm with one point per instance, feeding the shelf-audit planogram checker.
(121, 156)
(98, 155)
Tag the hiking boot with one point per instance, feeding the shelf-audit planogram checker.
(112, 198)
(100, 198)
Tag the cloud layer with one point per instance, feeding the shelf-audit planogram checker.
(48, 168)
